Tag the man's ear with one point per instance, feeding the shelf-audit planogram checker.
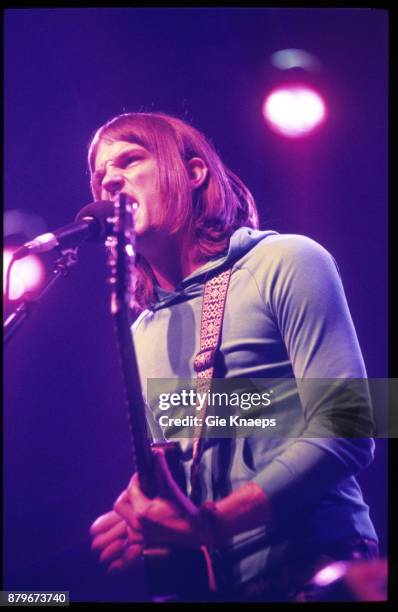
(197, 171)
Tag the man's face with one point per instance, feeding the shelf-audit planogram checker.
(125, 167)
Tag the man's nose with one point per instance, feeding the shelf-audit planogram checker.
(113, 181)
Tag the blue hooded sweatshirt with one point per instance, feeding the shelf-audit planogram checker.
(286, 319)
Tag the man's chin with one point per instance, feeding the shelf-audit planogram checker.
(145, 239)
(150, 240)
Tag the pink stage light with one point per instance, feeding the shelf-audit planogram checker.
(294, 110)
(26, 274)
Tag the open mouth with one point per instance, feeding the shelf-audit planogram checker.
(129, 199)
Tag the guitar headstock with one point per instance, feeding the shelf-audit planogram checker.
(121, 253)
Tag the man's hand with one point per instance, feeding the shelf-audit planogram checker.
(137, 521)
(115, 541)
(170, 518)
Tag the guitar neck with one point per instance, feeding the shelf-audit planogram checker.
(141, 441)
(121, 256)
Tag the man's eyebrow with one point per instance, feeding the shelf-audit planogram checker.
(130, 149)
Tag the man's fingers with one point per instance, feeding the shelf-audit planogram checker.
(119, 531)
(131, 555)
(122, 548)
(105, 522)
(113, 551)
(117, 566)
(132, 503)
(125, 510)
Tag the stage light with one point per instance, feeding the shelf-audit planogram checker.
(26, 274)
(330, 573)
(294, 110)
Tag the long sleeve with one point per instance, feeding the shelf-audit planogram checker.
(305, 296)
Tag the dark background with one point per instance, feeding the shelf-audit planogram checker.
(66, 443)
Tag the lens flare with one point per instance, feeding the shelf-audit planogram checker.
(285, 59)
(18, 221)
(294, 110)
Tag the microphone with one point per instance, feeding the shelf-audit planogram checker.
(90, 224)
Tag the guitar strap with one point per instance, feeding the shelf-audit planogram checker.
(212, 315)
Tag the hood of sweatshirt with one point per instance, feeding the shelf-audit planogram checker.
(242, 241)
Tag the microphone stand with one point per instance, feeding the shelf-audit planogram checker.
(62, 267)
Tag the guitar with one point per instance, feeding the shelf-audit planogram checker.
(173, 574)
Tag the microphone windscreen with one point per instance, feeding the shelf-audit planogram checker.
(100, 211)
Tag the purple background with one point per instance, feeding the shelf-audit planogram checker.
(66, 72)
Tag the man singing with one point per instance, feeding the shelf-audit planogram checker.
(286, 318)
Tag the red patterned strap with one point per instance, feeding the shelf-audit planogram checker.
(213, 306)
